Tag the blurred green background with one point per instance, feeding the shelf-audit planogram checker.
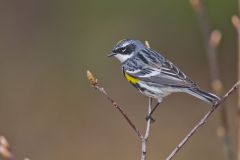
(48, 109)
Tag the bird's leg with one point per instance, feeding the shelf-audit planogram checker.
(149, 116)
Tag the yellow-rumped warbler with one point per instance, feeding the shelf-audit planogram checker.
(152, 74)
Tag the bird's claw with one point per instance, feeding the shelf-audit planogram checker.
(149, 117)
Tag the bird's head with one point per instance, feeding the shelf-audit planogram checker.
(126, 49)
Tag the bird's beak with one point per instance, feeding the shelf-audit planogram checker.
(111, 54)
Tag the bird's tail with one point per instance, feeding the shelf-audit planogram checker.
(207, 97)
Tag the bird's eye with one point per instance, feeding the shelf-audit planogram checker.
(124, 49)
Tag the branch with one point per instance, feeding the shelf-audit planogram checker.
(142, 138)
(94, 83)
(5, 151)
(202, 121)
(236, 24)
(145, 138)
(211, 42)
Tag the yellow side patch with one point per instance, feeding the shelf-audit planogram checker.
(131, 79)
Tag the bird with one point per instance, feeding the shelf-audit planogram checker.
(153, 75)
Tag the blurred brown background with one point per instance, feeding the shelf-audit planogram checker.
(48, 109)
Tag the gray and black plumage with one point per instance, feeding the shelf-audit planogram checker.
(152, 74)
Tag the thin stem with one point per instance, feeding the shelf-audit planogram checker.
(202, 122)
(120, 109)
(94, 82)
(238, 103)
(147, 132)
(211, 42)
(149, 121)
(149, 116)
(236, 24)
(5, 150)
(142, 138)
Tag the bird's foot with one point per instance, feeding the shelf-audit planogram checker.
(149, 117)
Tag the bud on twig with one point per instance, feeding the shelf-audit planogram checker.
(236, 22)
(91, 78)
(3, 142)
(147, 44)
(215, 38)
(5, 153)
(196, 4)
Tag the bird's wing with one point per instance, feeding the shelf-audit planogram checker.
(158, 70)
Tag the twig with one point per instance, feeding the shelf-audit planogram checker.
(147, 44)
(145, 138)
(147, 132)
(223, 130)
(236, 24)
(142, 138)
(211, 42)
(94, 83)
(202, 121)
(203, 20)
(5, 151)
